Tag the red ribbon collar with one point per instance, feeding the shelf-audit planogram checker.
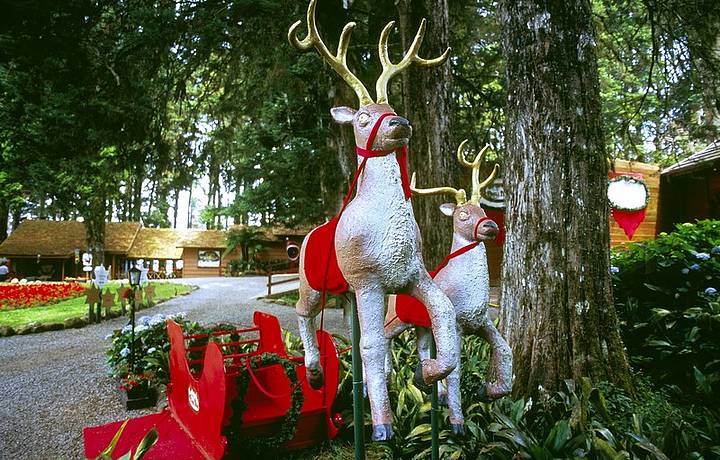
(400, 156)
(462, 250)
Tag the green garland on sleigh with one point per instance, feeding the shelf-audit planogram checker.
(240, 446)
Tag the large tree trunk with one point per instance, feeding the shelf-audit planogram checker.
(427, 104)
(95, 227)
(4, 219)
(557, 305)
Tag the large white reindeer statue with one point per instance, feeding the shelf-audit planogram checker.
(463, 276)
(375, 242)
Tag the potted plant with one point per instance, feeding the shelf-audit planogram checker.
(137, 392)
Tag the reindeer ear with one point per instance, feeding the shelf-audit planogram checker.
(343, 115)
(447, 209)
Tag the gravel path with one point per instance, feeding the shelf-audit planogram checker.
(53, 384)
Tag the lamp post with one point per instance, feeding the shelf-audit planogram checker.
(134, 278)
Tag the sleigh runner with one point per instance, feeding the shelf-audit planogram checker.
(202, 420)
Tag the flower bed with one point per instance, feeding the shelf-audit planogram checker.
(14, 296)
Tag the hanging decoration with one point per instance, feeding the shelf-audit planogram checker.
(628, 196)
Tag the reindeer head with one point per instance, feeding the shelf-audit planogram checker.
(469, 219)
(393, 131)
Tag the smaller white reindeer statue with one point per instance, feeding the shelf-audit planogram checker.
(463, 276)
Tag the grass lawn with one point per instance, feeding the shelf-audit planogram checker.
(77, 308)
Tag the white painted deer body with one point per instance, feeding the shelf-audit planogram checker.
(466, 282)
(376, 241)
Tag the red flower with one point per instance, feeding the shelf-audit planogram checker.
(13, 296)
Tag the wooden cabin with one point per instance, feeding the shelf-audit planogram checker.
(46, 249)
(203, 253)
(691, 189)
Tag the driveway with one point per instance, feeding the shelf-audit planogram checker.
(53, 384)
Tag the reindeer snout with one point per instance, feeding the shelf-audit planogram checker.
(488, 230)
(399, 121)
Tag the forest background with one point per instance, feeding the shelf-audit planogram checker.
(115, 110)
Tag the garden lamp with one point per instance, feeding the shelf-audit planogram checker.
(134, 278)
(134, 275)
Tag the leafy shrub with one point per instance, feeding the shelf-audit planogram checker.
(581, 421)
(152, 350)
(666, 293)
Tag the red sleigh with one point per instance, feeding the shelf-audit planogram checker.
(199, 403)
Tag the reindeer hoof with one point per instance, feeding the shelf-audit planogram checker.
(382, 432)
(315, 378)
(483, 395)
(419, 381)
(458, 429)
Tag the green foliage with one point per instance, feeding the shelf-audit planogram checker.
(581, 421)
(145, 444)
(152, 349)
(666, 295)
(248, 240)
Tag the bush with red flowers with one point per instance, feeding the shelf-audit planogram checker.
(14, 296)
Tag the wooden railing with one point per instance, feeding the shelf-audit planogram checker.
(271, 283)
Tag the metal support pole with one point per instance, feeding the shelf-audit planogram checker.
(132, 331)
(357, 377)
(434, 412)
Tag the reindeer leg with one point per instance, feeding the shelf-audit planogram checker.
(307, 308)
(393, 328)
(442, 316)
(501, 362)
(370, 305)
(424, 337)
(457, 419)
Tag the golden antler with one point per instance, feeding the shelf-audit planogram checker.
(339, 61)
(390, 69)
(459, 195)
(477, 186)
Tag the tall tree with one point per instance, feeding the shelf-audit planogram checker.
(427, 98)
(557, 309)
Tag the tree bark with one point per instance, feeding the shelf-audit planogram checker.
(95, 227)
(557, 305)
(16, 216)
(428, 106)
(4, 219)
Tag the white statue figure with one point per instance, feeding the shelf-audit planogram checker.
(464, 278)
(374, 246)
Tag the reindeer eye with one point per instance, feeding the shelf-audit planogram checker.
(463, 215)
(363, 119)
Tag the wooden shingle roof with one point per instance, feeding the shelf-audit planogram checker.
(60, 238)
(276, 233)
(156, 243)
(195, 238)
(119, 236)
(706, 157)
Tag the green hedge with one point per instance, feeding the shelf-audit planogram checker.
(666, 292)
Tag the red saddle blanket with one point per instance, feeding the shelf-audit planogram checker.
(320, 263)
(410, 310)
